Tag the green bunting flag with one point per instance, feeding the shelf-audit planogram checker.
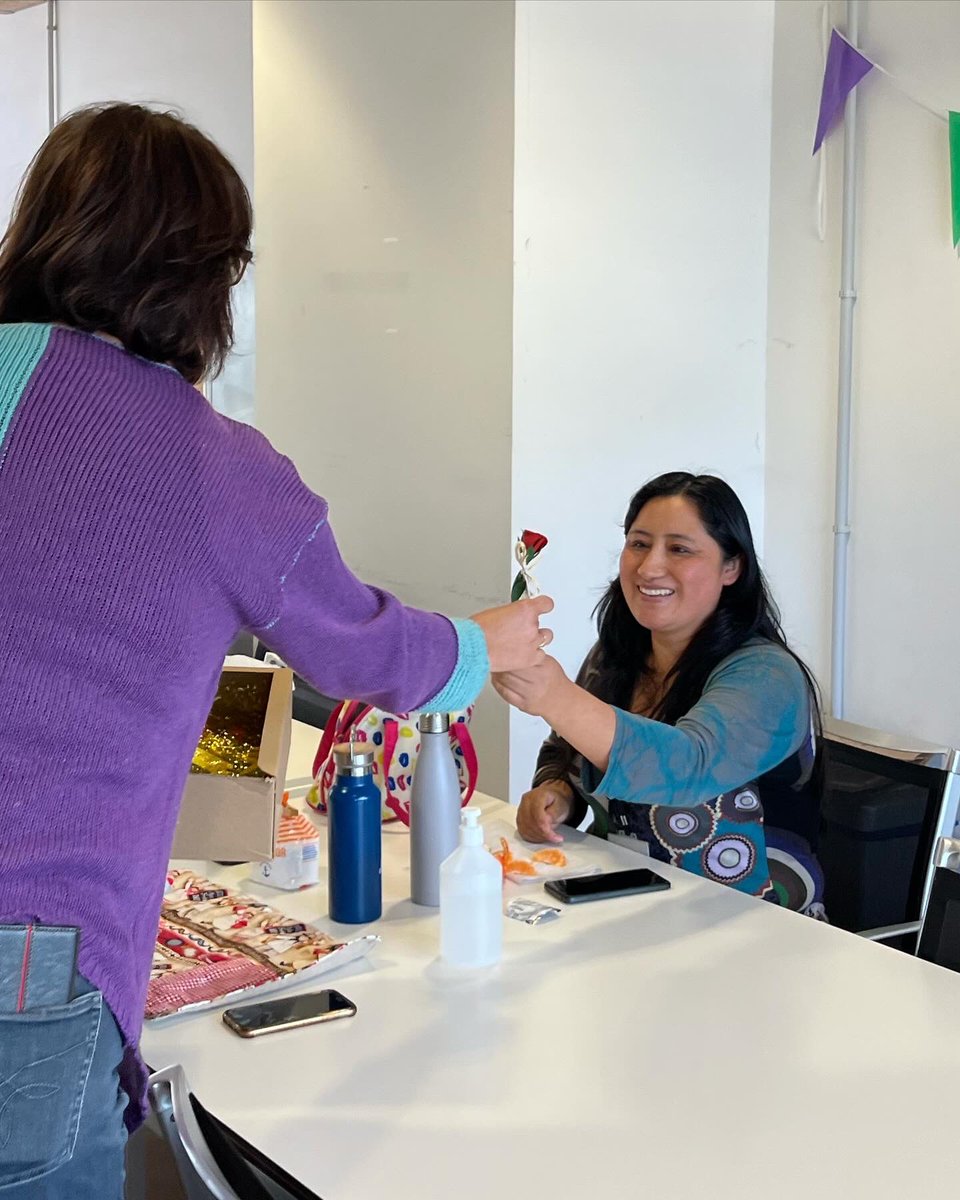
(955, 175)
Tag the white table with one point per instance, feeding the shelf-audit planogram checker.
(684, 1044)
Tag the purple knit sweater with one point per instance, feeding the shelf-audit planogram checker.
(139, 531)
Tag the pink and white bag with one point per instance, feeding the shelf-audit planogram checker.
(397, 742)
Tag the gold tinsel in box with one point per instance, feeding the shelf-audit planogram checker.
(230, 809)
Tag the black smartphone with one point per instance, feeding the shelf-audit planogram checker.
(606, 884)
(287, 1013)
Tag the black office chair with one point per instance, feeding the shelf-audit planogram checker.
(212, 1161)
(940, 935)
(887, 803)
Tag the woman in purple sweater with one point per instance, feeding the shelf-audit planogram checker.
(139, 531)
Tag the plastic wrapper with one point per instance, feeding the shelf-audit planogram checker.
(215, 946)
(527, 862)
(530, 912)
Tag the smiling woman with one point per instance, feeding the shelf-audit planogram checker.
(672, 573)
(691, 731)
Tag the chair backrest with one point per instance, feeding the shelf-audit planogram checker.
(170, 1100)
(940, 936)
(887, 801)
(214, 1162)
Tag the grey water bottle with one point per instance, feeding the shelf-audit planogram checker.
(434, 809)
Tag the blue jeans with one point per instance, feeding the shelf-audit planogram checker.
(62, 1135)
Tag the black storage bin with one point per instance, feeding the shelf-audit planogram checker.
(872, 827)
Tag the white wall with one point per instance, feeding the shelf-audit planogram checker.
(384, 143)
(23, 98)
(802, 344)
(191, 55)
(904, 639)
(642, 198)
(640, 240)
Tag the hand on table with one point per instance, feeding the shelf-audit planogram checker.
(542, 809)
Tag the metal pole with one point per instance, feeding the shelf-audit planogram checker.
(848, 298)
(53, 65)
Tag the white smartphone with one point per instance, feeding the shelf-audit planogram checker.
(288, 1012)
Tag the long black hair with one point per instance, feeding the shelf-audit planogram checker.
(746, 610)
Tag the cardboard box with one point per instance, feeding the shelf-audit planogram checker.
(234, 818)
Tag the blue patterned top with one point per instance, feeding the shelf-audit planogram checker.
(753, 714)
(726, 792)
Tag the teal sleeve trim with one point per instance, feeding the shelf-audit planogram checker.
(21, 348)
(469, 674)
(753, 714)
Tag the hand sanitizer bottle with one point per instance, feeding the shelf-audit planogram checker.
(471, 900)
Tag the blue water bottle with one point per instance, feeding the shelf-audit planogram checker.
(353, 837)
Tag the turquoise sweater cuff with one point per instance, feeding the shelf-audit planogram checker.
(469, 674)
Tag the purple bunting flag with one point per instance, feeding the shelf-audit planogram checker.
(845, 68)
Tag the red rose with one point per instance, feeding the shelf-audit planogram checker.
(534, 542)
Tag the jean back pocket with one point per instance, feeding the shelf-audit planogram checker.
(45, 1057)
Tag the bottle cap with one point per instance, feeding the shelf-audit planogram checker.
(470, 832)
(353, 758)
(433, 722)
